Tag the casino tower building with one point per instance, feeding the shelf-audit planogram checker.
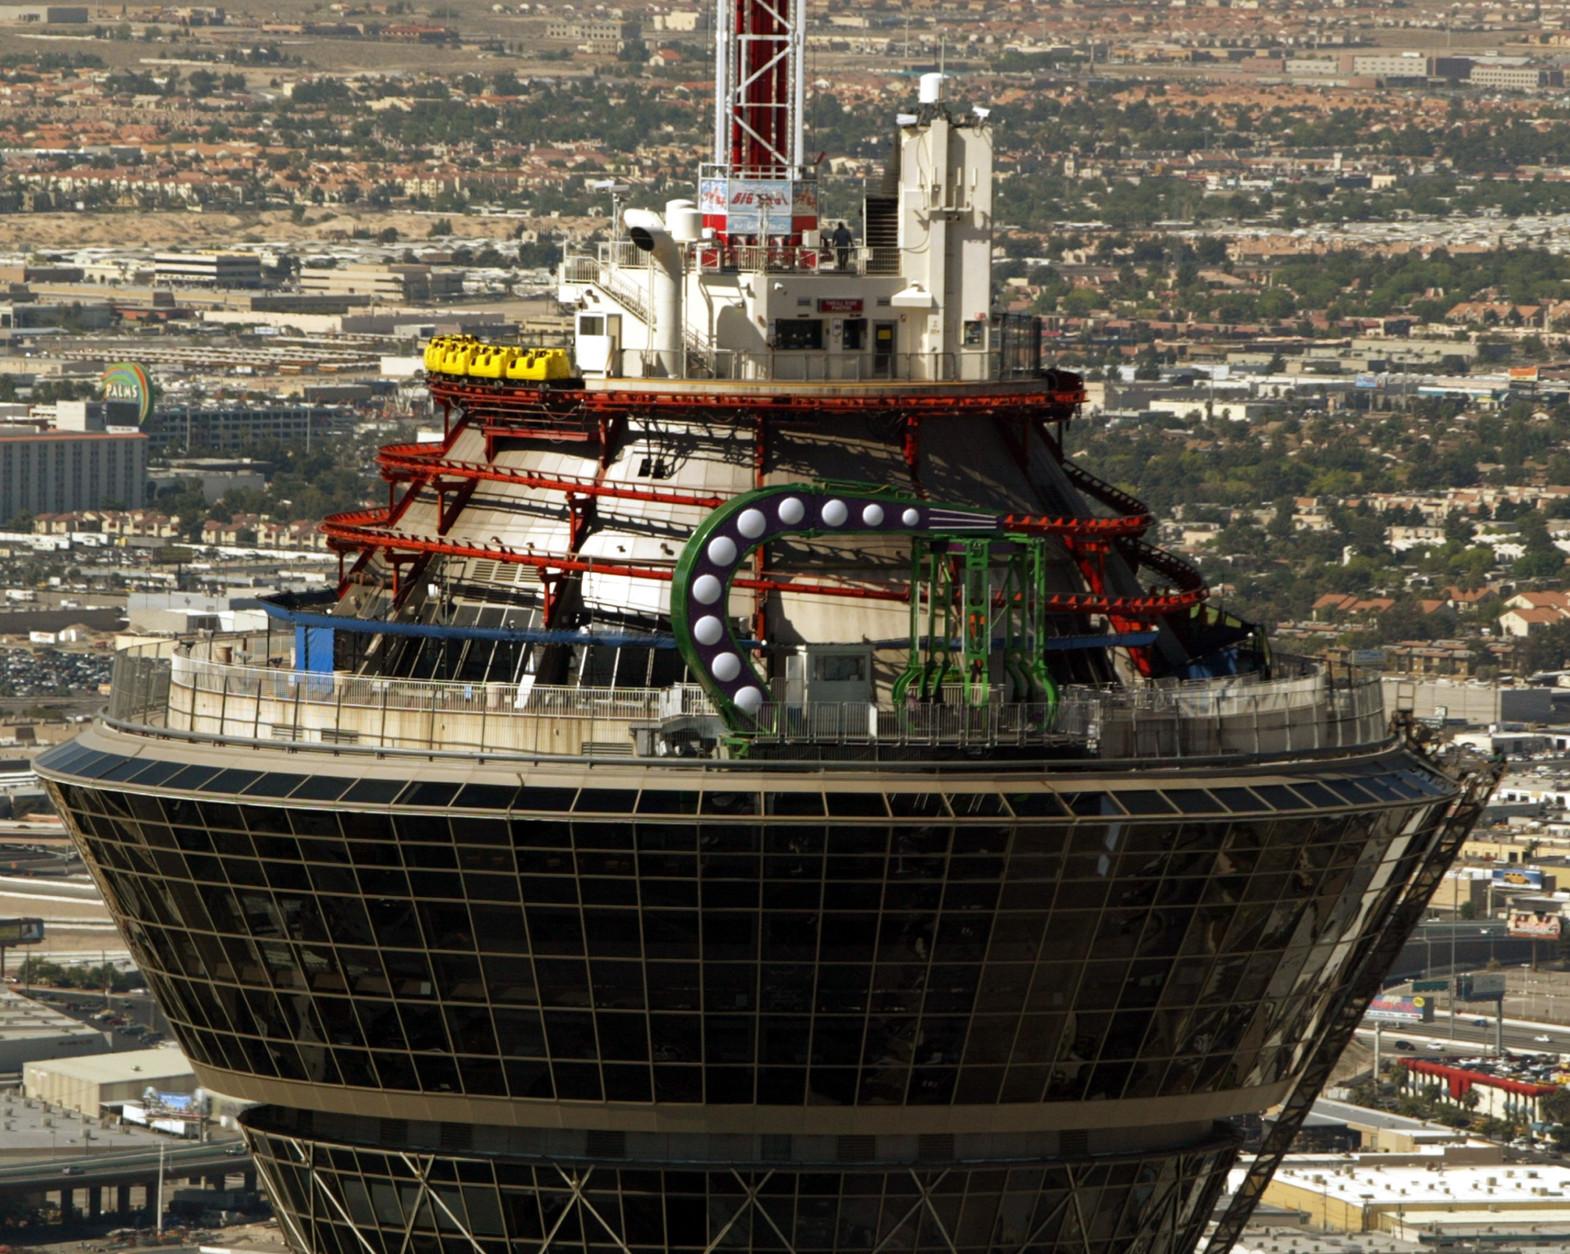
(749, 789)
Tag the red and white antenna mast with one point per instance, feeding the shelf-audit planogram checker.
(759, 86)
(759, 93)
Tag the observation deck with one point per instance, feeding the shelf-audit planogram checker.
(237, 689)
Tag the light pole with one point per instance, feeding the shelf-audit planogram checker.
(1455, 978)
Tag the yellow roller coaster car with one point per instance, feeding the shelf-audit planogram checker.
(477, 359)
(439, 346)
(541, 364)
(458, 354)
(490, 361)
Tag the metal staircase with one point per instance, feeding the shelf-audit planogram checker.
(880, 233)
(700, 354)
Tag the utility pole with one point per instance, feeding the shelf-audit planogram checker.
(158, 1218)
(1379, 1029)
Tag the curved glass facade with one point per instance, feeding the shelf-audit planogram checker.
(720, 961)
(805, 955)
(343, 1195)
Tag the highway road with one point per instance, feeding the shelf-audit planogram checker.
(138, 1165)
(1469, 1039)
(1474, 943)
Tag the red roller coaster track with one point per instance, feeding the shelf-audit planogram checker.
(428, 466)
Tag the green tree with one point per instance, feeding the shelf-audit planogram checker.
(1548, 648)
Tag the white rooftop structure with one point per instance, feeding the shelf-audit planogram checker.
(31, 1031)
(1423, 1192)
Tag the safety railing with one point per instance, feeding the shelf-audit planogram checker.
(959, 725)
(816, 365)
(779, 258)
(1303, 707)
(1314, 709)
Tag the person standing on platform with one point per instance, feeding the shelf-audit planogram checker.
(842, 242)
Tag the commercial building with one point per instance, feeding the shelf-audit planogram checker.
(1508, 76)
(205, 269)
(59, 472)
(30, 1031)
(403, 284)
(596, 34)
(1428, 1193)
(1313, 67)
(1497, 1096)
(1396, 67)
(231, 427)
(85, 1085)
(213, 475)
(45, 14)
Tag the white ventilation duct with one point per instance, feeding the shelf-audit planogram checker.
(683, 221)
(647, 231)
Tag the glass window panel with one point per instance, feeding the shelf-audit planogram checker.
(1092, 804)
(1239, 800)
(1193, 800)
(231, 781)
(606, 800)
(1403, 785)
(794, 804)
(1317, 794)
(374, 791)
(1030, 805)
(728, 803)
(485, 797)
(431, 795)
(62, 759)
(1145, 801)
(122, 769)
(157, 772)
(856, 804)
(275, 784)
(322, 788)
(550, 800)
(975, 804)
(667, 801)
(91, 764)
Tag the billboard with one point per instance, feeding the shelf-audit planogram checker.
(127, 383)
(21, 931)
(758, 207)
(1517, 877)
(1530, 925)
(1483, 986)
(1402, 1009)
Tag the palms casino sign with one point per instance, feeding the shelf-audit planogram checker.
(126, 383)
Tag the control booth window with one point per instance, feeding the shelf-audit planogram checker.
(798, 333)
(591, 324)
(840, 668)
